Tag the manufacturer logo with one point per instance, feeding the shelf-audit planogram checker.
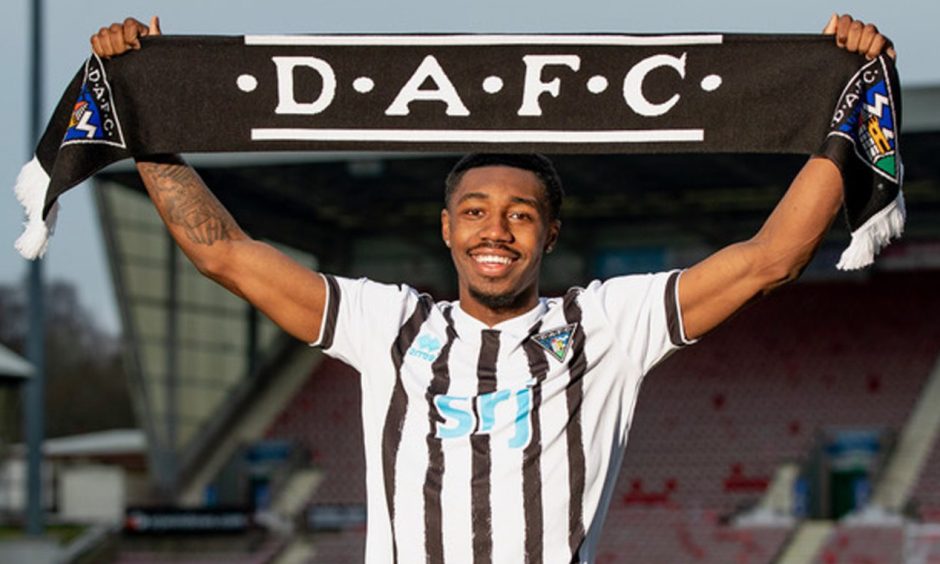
(426, 348)
(557, 341)
(865, 116)
(94, 117)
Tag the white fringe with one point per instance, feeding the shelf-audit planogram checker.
(31, 186)
(874, 235)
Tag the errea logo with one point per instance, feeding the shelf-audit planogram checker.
(426, 347)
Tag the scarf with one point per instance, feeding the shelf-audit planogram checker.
(713, 93)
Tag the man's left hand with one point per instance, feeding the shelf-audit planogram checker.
(858, 37)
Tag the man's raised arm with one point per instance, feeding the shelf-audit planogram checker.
(291, 295)
(714, 289)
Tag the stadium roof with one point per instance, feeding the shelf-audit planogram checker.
(13, 366)
(319, 206)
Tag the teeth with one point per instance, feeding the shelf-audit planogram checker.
(492, 259)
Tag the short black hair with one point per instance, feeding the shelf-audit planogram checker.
(538, 164)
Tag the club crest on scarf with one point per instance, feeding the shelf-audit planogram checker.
(557, 341)
(94, 118)
(865, 116)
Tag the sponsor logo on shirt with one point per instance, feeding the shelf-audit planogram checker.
(487, 413)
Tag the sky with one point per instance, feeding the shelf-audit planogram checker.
(76, 252)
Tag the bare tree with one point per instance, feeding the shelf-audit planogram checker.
(86, 389)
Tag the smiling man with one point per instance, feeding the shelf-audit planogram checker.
(495, 425)
(497, 237)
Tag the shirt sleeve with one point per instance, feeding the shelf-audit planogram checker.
(361, 315)
(643, 311)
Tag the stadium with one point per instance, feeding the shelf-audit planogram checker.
(806, 425)
(805, 429)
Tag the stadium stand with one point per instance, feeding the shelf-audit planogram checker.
(667, 535)
(853, 544)
(713, 422)
(346, 547)
(927, 491)
(324, 419)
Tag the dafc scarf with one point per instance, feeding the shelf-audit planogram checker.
(507, 93)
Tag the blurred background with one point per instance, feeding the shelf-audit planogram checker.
(182, 426)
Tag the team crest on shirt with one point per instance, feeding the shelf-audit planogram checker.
(426, 347)
(557, 341)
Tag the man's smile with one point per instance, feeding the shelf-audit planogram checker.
(493, 260)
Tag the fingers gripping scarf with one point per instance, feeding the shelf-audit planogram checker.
(548, 93)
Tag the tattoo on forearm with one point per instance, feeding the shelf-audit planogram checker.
(186, 202)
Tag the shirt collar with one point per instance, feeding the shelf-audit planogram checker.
(518, 326)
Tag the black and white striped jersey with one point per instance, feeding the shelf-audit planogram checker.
(496, 444)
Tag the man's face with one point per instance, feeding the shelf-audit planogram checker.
(497, 227)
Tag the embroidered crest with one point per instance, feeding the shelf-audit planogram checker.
(865, 116)
(557, 341)
(94, 118)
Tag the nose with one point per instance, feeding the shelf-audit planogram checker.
(497, 228)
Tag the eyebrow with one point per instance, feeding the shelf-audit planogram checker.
(484, 196)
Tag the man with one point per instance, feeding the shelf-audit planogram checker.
(495, 425)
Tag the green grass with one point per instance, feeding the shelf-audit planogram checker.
(63, 534)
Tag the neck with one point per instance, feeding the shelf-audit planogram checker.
(492, 311)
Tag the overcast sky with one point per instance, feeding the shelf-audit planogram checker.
(76, 252)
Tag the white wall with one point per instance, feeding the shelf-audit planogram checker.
(92, 493)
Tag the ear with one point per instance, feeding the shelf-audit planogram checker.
(554, 230)
(445, 227)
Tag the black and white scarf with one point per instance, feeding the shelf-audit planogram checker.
(509, 93)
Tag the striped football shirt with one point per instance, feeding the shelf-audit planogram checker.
(496, 444)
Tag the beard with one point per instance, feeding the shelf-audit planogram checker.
(496, 302)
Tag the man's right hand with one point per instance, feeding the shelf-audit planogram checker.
(118, 38)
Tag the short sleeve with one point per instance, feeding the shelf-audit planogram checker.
(643, 311)
(361, 315)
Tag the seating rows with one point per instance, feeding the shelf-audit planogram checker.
(324, 419)
(863, 545)
(661, 535)
(714, 421)
(344, 547)
(927, 490)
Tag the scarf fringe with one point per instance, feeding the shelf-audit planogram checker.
(874, 235)
(31, 186)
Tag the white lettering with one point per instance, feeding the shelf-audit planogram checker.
(411, 91)
(286, 102)
(633, 84)
(533, 88)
